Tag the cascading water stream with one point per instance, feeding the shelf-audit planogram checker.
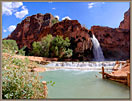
(97, 51)
(85, 66)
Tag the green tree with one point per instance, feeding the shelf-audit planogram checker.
(54, 21)
(50, 46)
(36, 48)
(45, 45)
(59, 47)
(68, 53)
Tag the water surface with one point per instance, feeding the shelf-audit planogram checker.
(83, 84)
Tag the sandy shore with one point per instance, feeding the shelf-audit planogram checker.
(125, 69)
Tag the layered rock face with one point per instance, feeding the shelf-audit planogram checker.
(81, 43)
(35, 27)
(115, 43)
(29, 29)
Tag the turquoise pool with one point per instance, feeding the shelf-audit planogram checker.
(75, 84)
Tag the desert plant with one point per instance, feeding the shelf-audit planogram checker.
(9, 46)
(21, 51)
(18, 82)
(54, 21)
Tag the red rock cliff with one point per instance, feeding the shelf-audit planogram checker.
(115, 42)
(125, 24)
(34, 27)
(29, 29)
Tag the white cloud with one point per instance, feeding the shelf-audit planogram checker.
(4, 30)
(90, 5)
(17, 4)
(53, 8)
(66, 17)
(11, 28)
(9, 7)
(56, 16)
(22, 13)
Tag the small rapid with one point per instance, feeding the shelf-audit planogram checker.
(88, 66)
(82, 64)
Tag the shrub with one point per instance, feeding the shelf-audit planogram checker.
(68, 53)
(9, 46)
(54, 21)
(21, 51)
(18, 82)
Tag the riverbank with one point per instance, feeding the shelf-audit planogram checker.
(54, 64)
(33, 64)
(17, 80)
(85, 79)
(120, 73)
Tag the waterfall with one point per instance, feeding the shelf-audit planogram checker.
(97, 51)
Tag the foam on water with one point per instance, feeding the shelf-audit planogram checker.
(81, 66)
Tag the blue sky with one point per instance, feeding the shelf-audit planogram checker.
(87, 13)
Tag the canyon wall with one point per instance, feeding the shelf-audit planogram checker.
(35, 27)
(115, 42)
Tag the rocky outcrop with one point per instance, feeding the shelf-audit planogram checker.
(81, 43)
(29, 29)
(115, 42)
(35, 27)
(125, 24)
